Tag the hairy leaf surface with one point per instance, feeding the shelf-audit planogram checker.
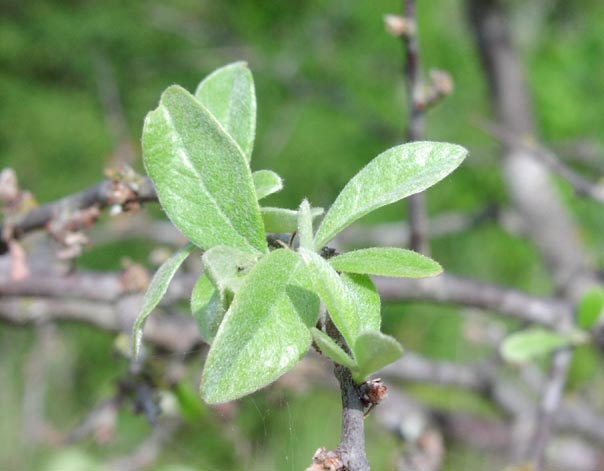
(367, 299)
(228, 93)
(266, 182)
(265, 331)
(305, 225)
(331, 349)
(386, 261)
(202, 179)
(156, 291)
(207, 307)
(282, 221)
(374, 350)
(393, 175)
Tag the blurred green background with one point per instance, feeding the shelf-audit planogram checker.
(330, 98)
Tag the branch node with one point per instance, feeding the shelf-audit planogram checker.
(324, 460)
(399, 26)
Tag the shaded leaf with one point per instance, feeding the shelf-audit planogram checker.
(386, 261)
(202, 179)
(530, 344)
(374, 350)
(282, 221)
(228, 93)
(331, 349)
(263, 333)
(207, 307)
(156, 291)
(227, 267)
(266, 182)
(337, 298)
(393, 175)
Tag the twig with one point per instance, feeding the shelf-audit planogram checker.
(580, 185)
(102, 195)
(551, 397)
(418, 219)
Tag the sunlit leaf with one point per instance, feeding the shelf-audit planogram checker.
(386, 261)
(393, 175)
(305, 225)
(266, 182)
(228, 93)
(265, 331)
(156, 291)
(283, 221)
(202, 179)
(367, 299)
(337, 298)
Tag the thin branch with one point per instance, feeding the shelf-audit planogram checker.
(101, 195)
(418, 219)
(581, 186)
(550, 403)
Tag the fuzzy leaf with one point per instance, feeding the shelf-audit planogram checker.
(331, 349)
(386, 261)
(282, 221)
(374, 350)
(202, 179)
(156, 291)
(228, 93)
(265, 331)
(393, 175)
(591, 308)
(530, 344)
(337, 298)
(305, 225)
(367, 299)
(207, 307)
(227, 267)
(266, 182)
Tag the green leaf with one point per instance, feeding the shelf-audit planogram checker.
(386, 261)
(367, 299)
(265, 331)
(530, 344)
(266, 182)
(305, 225)
(228, 93)
(227, 267)
(282, 221)
(202, 179)
(337, 298)
(331, 349)
(393, 175)
(208, 308)
(156, 291)
(191, 407)
(374, 350)
(591, 308)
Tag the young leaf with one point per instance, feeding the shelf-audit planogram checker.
(305, 225)
(367, 299)
(331, 349)
(227, 267)
(157, 289)
(228, 93)
(207, 307)
(374, 350)
(202, 179)
(266, 182)
(591, 308)
(282, 221)
(530, 344)
(337, 298)
(386, 261)
(263, 333)
(393, 175)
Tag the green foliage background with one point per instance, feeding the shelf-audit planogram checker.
(330, 97)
